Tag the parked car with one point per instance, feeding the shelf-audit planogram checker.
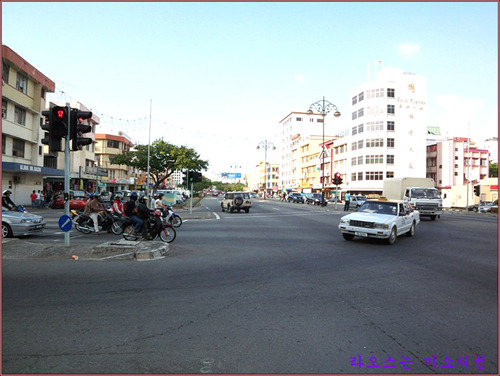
(236, 201)
(316, 199)
(15, 223)
(380, 219)
(488, 207)
(295, 197)
(357, 201)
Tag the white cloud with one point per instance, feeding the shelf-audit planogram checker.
(299, 77)
(408, 49)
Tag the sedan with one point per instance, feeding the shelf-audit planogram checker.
(316, 199)
(15, 223)
(295, 197)
(74, 204)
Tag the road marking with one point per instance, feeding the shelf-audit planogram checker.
(214, 213)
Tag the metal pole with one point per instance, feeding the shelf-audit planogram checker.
(323, 159)
(149, 145)
(66, 172)
(265, 170)
(191, 200)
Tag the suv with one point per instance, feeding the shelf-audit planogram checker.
(295, 197)
(316, 199)
(236, 201)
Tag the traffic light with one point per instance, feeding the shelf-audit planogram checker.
(477, 190)
(59, 120)
(185, 178)
(195, 177)
(48, 138)
(337, 180)
(77, 128)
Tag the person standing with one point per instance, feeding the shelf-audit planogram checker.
(347, 201)
(39, 199)
(33, 197)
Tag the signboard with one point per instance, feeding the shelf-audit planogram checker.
(169, 199)
(65, 223)
(231, 175)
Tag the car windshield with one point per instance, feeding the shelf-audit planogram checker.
(389, 208)
(429, 193)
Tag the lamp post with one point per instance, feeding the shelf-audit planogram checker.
(266, 145)
(323, 107)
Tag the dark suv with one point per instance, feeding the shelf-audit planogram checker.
(316, 199)
(295, 197)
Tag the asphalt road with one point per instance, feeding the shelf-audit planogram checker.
(277, 290)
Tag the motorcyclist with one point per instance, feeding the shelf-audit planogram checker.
(93, 207)
(7, 201)
(118, 205)
(143, 213)
(131, 212)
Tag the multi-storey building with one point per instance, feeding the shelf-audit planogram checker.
(310, 161)
(296, 127)
(23, 98)
(266, 177)
(387, 137)
(114, 177)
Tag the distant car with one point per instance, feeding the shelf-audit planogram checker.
(316, 199)
(105, 196)
(356, 201)
(295, 197)
(215, 193)
(488, 207)
(380, 219)
(236, 201)
(15, 223)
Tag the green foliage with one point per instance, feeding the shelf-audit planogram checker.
(164, 159)
(228, 187)
(493, 170)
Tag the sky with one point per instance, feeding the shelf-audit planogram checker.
(219, 77)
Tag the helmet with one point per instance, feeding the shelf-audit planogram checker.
(118, 196)
(133, 196)
(97, 195)
(7, 192)
(160, 195)
(91, 195)
(142, 199)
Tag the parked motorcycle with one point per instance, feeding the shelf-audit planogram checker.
(156, 228)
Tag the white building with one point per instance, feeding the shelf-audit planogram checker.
(388, 131)
(296, 127)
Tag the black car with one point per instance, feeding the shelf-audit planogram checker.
(295, 197)
(316, 199)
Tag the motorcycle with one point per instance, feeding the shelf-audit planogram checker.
(85, 224)
(120, 223)
(156, 228)
(173, 218)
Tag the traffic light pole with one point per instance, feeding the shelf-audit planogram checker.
(66, 171)
(191, 200)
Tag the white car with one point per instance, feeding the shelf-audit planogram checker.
(236, 201)
(380, 219)
(15, 223)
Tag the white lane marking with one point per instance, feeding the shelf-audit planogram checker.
(214, 213)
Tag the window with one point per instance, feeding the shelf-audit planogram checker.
(299, 119)
(360, 128)
(360, 144)
(389, 174)
(374, 175)
(4, 109)
(375, 93)
(5, 72)
(361, 112)
(360, 160)
(354, 100)
(3, 143)
(354, 115)
(390, 143)
(353, 161)
(22, 83)
(353, 176)
(374, 126)
(390, 109)
(20, 116)
(390, 125)
(354, 146)
(361, 96)
(374, 159)
(360, 176)
(354, 130)
(49, 161)
(18, 148)
(390, 93)
(390, 159)
(319, 120)
(375, 143)
(113, 144)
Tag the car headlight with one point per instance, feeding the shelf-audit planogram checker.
(27, 220)
(381, 225)
(344, 221)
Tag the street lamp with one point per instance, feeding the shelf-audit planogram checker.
(266, 145)
(323, 107)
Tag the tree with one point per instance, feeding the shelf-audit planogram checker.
(494, 170)
(164, 160)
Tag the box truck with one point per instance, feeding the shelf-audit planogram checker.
(419, 192)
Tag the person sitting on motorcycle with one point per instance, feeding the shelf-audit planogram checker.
(118, 205)
(131, 212)
(93, 207)
(7, 201)
(143, 213)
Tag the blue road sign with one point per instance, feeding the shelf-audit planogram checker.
(65, 223)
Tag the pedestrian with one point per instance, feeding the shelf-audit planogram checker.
(347, 201)
(39, 198)
(33, 197)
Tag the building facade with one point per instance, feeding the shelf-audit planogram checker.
(24, 90)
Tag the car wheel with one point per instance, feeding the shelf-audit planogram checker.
(347, 236)
(229, 209)
(412, 230)
(6, 231)
(393, 236)
(222, 207)
(433, 217)
(247, 210)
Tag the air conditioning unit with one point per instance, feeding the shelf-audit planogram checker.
(17, 179)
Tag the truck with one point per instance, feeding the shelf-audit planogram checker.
(420, 193)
